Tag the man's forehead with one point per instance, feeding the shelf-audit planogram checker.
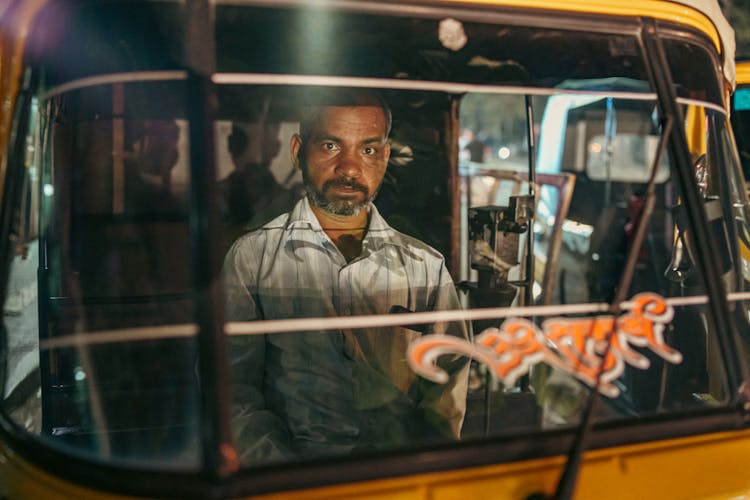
(358, 109)
(365, 116)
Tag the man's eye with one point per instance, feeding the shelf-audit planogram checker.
(369, 150)
(329, 146)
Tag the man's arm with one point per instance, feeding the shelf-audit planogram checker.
(444, 405)
(260, 436)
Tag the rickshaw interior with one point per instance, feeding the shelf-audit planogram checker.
(529, 152)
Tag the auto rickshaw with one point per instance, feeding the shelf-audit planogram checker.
(572, 164)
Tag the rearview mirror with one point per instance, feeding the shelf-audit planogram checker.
(624, 158)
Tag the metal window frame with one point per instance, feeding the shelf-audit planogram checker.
(216, 477)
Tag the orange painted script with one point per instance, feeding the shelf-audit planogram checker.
(574, 345)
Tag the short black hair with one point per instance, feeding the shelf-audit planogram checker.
(323, 98)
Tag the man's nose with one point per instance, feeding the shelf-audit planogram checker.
(349, 164)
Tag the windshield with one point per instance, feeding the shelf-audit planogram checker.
(420, 231)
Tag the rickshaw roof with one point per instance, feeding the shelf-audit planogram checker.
(709, 8)
(712, 10)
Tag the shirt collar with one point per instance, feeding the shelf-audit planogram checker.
(302, 214)
(379, 233)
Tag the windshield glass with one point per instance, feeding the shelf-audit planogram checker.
(310, 388)
(102, 258)
(421, 232)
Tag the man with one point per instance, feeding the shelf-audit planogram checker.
(148, 167)
(334, 392)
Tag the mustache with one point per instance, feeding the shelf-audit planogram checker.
(343, 182)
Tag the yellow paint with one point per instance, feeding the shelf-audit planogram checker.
(695, 130)
(21, 480)
(708, 466)
(705, 466)
(658, 9)
(744, 251)
(743, 73)
(15, 22)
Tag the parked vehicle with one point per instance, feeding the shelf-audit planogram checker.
(601, 261)
(741, 114)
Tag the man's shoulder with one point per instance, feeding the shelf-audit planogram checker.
(278, 222)
(409, 245)
(414, 245)
(263, 233)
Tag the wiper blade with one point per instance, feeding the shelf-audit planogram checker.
(567, 482)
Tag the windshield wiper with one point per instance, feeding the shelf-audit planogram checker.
(566, 484)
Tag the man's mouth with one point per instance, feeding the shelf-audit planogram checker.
(344, 186)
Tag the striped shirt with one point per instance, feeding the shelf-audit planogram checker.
(332, 392)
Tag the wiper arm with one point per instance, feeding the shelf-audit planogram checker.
(567, 483)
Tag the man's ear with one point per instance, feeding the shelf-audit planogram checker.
(295, 145)
(387, 152)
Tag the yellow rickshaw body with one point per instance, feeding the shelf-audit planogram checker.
(711, 465)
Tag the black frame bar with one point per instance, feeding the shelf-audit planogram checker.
(219, 457)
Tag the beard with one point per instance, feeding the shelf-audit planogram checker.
(336, 206)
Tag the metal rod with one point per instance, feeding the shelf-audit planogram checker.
(219, 455)
(529, 278)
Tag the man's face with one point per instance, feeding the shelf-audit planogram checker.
(344, 159)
